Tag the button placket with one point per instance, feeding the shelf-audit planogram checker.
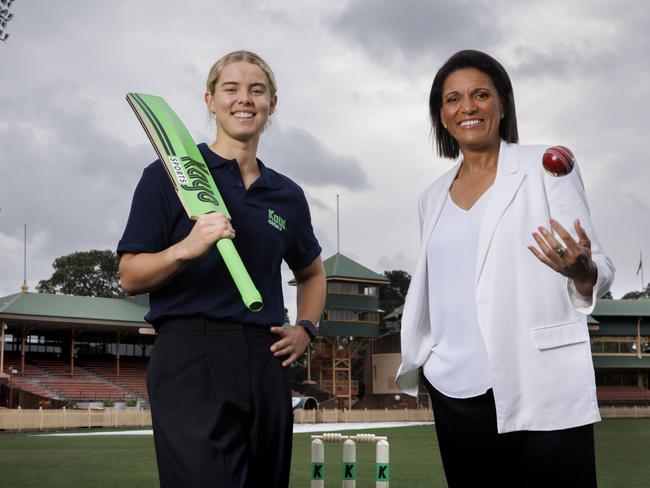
(239, 183)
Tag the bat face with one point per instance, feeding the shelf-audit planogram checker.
(194, 177)
(183, 162)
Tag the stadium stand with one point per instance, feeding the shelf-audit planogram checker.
(106, 343)
(622, 395)
(69, 348)
(131, 377)
(81, 385)
(30, 380)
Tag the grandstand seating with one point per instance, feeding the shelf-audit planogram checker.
(622, 394)
(132, 377)
(96, 378)
(30, 381)
(82, 385)
(50, 377)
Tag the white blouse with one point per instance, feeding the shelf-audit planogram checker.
(457, 365)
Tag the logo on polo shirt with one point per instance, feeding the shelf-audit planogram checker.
(276, 221)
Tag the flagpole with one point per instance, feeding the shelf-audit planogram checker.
(337, 224)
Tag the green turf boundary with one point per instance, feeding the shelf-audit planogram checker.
(33, 461)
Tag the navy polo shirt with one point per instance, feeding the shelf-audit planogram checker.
(272, 222)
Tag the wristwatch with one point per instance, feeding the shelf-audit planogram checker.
(311, 329)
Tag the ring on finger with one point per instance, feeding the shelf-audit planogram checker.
(560, 251)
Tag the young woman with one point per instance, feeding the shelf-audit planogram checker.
(495, 317)
(218, 380)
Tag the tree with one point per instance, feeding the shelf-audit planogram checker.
(607, 296)
(633, 295)
(393, 295)
(91, 273)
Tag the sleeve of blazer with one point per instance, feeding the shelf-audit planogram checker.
(567, 202)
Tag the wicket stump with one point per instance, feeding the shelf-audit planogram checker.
(349, 467)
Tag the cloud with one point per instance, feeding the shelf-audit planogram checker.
(386, 28)
(67, 178)
(354, 77)
(305, 158)
(399, 260)
(557, 61)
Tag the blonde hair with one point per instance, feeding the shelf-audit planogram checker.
(234, 57)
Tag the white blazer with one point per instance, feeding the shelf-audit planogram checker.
(532, 319)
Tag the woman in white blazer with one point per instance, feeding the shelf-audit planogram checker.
(495, 317)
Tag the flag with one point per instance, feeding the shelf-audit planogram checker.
(640, 264)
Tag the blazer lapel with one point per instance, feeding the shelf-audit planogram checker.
(432, 218)
(506, 184)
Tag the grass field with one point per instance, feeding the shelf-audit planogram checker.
(29, 461)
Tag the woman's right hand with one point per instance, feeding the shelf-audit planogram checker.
(145, 272)
(207, 230)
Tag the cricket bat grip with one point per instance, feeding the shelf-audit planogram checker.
(249, 294)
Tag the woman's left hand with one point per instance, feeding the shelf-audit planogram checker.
(571, 259)
(293, 342)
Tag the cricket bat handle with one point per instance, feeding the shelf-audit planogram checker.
(249, 294)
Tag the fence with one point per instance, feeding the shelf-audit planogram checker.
(23, 419)
(45, 419)
(366, 415)
(635, 412)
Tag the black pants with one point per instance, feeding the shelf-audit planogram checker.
(221, 406)
(474, 454)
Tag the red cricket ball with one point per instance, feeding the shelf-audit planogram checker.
(558, 161)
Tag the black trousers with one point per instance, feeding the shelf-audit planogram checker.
(474, 454)
(221, 406)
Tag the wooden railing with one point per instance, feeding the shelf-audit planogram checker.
(636, 412)
(44, 419)
(335, 415)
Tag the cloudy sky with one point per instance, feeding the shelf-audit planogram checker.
(354, 78)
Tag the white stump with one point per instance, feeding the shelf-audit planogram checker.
(317, 464)
(349, 464)
(382, 473)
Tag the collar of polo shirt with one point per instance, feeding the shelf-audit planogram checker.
(214, 161)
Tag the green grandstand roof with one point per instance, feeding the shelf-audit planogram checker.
(340, 266)
(48, 306)
(622, 308)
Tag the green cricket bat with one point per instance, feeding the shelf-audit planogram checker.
(191, 179)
